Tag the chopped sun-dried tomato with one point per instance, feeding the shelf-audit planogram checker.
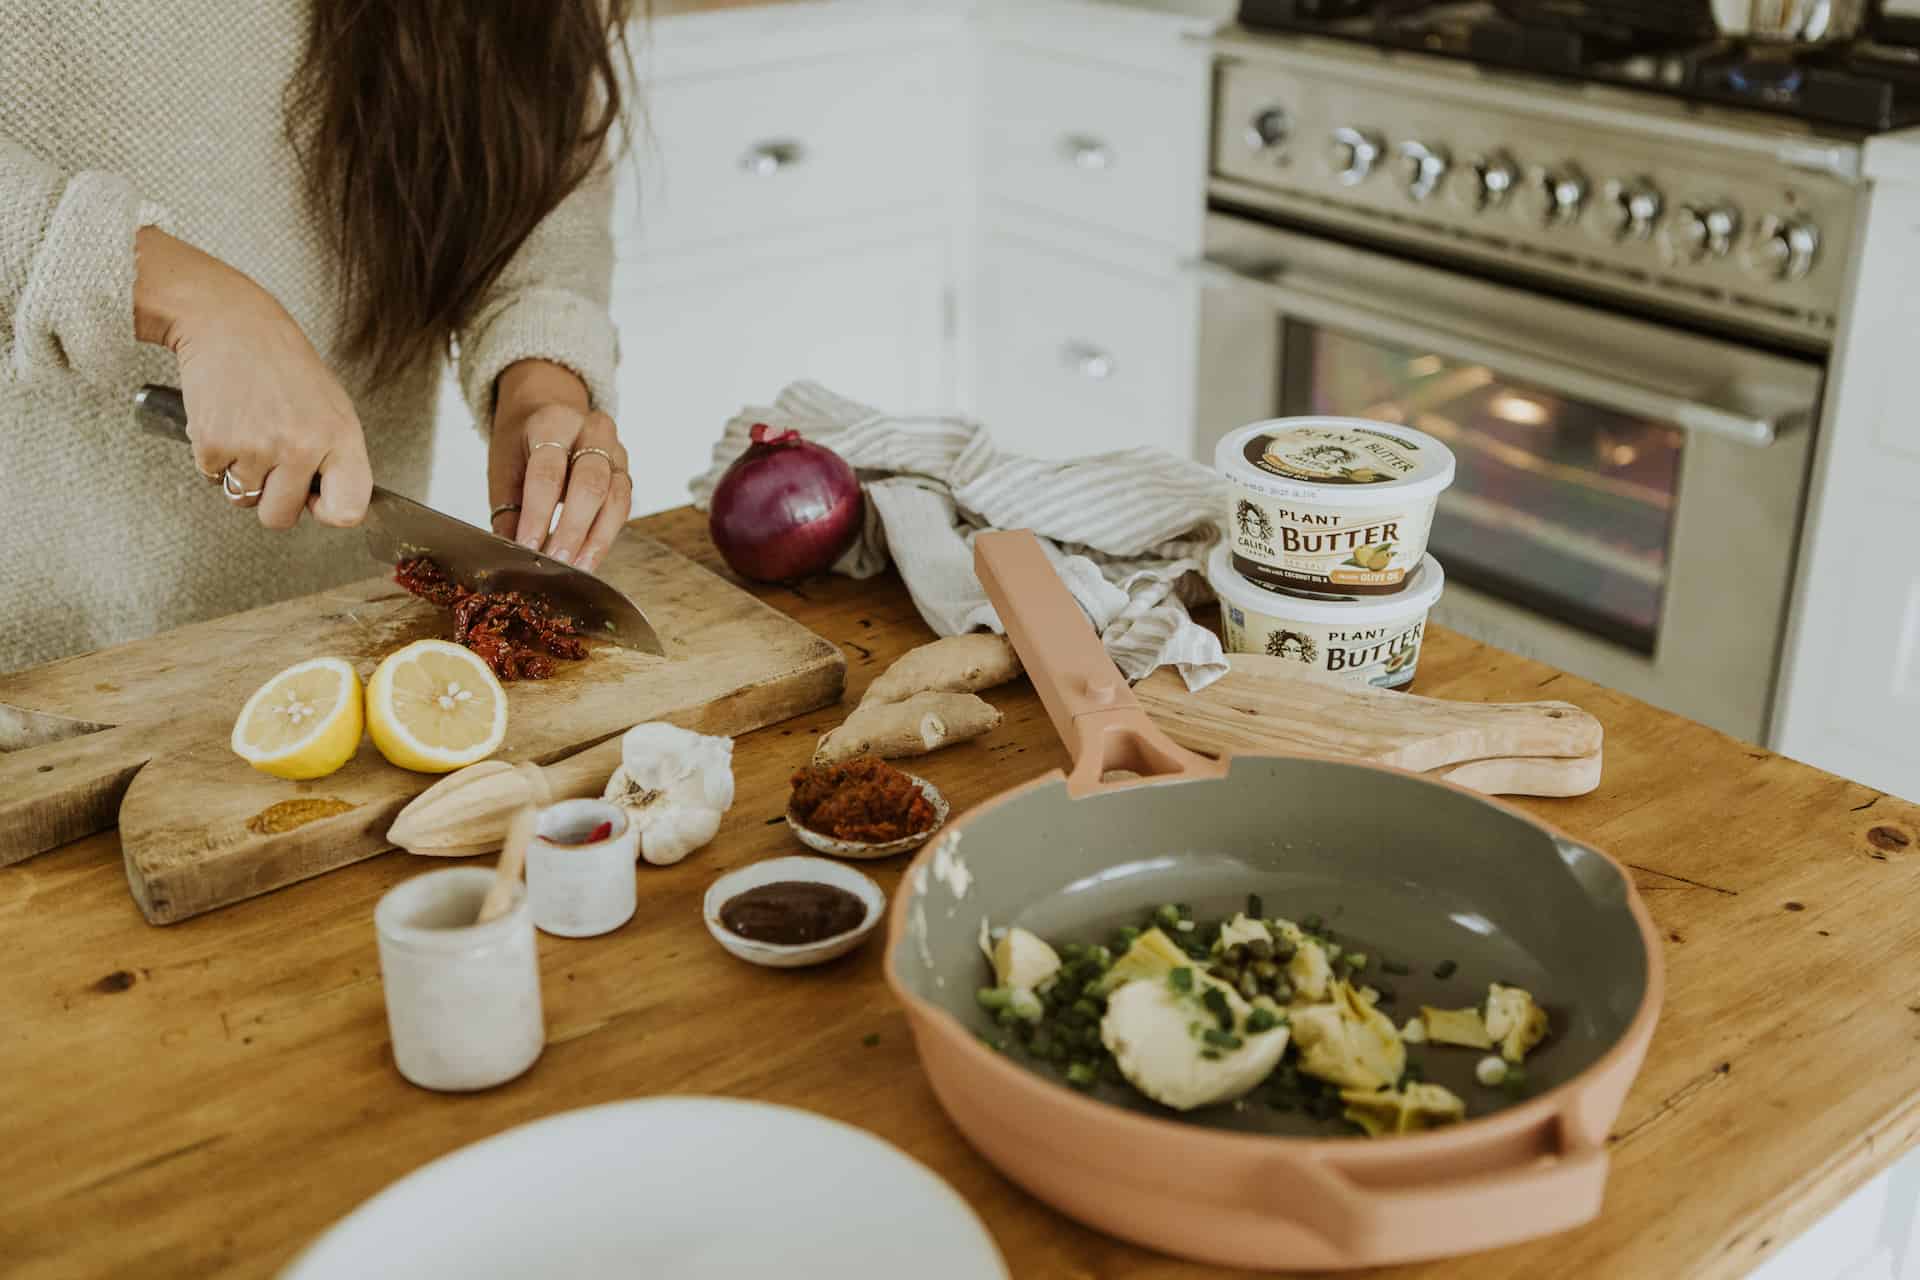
(515, 634)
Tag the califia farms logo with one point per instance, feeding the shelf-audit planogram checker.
(1253, 521)
(1291, 644)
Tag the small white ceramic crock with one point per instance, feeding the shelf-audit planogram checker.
(463, 1000)
(1340, 506)
(1366, 639)
(579, 890)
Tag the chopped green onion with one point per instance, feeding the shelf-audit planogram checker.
(1221, 1039)
(994, 999)
(1355, 960)
(1260, 949)
(1073, 950)
(1087, 1009)
(1168, 914)
(1082, 1075)
(1216, 1001)
(1211, 1055)
(1255, 908)
(1181, 979)
(1123, 938)
(1261, 1019)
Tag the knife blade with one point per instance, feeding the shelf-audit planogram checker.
(398, 528)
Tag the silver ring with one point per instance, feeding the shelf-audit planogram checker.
(501, 510)
(538, 445)
(578, 454)
(233, 490)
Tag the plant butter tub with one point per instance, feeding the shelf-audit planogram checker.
(1339, 506)
(1366, 639)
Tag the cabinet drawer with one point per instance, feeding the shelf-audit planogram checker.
(1108, 146)
(1079, 357)
(761, 152)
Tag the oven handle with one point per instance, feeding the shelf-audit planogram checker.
(1601, 389)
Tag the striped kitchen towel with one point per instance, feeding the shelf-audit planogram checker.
(1129, 532)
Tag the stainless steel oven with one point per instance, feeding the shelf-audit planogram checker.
(1630, 478)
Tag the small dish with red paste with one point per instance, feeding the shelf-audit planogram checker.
(787, 913)
(864, 808)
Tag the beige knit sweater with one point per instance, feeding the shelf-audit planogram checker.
(168, 112)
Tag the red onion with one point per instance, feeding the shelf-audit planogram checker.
(786, 508)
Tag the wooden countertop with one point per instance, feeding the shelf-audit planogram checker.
(207, 1097)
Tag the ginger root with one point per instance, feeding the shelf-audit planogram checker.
(925, 722)
(957, 664)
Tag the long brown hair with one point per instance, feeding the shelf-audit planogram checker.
(437, 134)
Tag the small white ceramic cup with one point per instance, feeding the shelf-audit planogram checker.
(578, 889)
(463, 1000)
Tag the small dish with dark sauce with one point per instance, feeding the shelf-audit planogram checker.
(790, 912)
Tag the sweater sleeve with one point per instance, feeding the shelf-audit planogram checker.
(550, 303)
(66, 268)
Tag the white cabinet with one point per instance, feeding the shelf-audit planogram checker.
(868, 322)
(1086, 356)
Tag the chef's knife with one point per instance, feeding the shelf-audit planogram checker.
(398, 528)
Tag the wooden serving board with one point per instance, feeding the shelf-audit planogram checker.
(1266, 705)
(138, 734)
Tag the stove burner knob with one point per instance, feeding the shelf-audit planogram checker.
(1267, 130)
(1556, 196)
(1353, 153)
(1633, 209)
(1426, 167)
(1698, 232)
(1782, 247)
(1495, 177)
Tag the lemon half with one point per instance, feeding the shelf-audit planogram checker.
(303, 723)
(434, 707)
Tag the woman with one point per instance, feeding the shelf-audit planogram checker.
(293, 209)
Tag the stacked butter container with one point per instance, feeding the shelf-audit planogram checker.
(1325, 560)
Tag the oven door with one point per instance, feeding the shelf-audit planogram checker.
(1628, 496)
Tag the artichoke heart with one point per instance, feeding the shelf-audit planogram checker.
(1514, 1021)
(1348, 1042)
(1239, 930)
(1461, 1027)
(1152, 955)
(1404, 1110)
(1149, 1028)
(1023, 959)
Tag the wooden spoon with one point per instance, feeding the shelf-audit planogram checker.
(506, 872)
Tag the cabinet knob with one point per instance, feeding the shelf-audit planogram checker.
(1268, 129)
(1426, 166)
(1088, 361)
(1783, 247)
(1557, 196)
(1701, 231)
(765, 159)
(1088, 153)
(1633, 208)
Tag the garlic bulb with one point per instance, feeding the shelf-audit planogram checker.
(675, 785)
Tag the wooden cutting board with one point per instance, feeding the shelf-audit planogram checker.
(138, 734)
(1266, 705)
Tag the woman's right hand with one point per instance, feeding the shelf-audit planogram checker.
(262, 406)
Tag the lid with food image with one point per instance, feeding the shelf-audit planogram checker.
(1343, 461)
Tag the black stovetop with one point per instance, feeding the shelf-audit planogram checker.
(1663, 46)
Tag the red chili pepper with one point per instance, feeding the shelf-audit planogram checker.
(600, 833)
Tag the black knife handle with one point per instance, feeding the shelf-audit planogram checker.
(162, 411)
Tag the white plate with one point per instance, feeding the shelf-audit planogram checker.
(687, 1188)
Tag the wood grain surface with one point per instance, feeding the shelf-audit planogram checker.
(1267, 705)
(200, 829)
(204, 1099)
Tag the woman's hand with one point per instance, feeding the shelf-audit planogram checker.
(265, 414)
(551, 449)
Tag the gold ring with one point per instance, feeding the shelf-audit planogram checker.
(232, 487)
(578, 454)
(212, 477)
(538, 445)
(501, 510)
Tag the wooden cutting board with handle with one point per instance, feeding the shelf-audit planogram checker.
(1265, 705)
(138, 734)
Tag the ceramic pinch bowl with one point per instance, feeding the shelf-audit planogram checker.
(774, 871)
(579, 888)
(857, 849)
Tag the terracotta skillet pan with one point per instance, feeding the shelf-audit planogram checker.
(1401, 865)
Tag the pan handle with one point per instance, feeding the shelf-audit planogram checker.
(1086, 697)
(1551, 1184)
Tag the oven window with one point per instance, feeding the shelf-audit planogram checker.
(1558, 505)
